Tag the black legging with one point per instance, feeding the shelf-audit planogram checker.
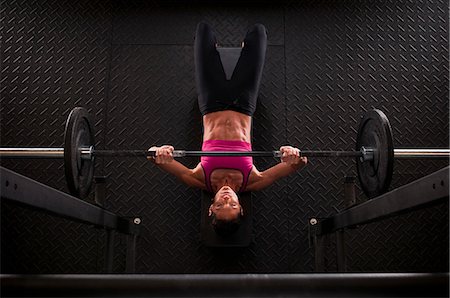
(240, 93)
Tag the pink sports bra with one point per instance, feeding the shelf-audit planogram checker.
(242, 163)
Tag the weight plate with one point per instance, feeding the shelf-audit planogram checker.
(375, 132)
(78, 134)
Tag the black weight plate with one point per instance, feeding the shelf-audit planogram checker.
(375, 132)
(79, 133)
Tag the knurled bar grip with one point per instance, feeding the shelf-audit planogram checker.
(185, 153)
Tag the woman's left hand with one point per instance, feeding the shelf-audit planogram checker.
(291, 156)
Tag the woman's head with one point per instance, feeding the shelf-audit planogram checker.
(225, 211)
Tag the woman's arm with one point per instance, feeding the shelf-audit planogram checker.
(164, 160)
(291, 161)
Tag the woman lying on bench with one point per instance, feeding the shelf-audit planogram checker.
(227, 107)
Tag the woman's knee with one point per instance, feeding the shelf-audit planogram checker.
(203, 28)
(204, 36)
(259, 30)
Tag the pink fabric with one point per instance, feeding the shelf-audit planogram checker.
(242, 163)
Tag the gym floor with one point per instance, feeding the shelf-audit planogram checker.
(130, 63)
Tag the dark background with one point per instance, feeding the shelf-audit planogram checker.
(130, 63)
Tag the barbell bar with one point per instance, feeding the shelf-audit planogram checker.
(89, 152)
(374, 153)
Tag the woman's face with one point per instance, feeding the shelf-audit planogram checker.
(226, 204)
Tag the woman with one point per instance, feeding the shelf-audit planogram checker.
(227, 107)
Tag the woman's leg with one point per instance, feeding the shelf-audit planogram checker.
(209, 74)
(246, 78)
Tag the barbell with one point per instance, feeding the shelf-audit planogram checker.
(374, 153)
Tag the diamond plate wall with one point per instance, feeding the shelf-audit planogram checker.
(54, 56)
(231, 21)
(131, 64)
(342, 59)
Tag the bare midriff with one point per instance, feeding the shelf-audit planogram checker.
(227, 125)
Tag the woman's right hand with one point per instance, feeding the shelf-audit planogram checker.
(163, 154)
(292, 156)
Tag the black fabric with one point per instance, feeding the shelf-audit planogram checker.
(240, 93)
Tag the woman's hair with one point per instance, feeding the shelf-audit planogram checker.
(225, 227)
